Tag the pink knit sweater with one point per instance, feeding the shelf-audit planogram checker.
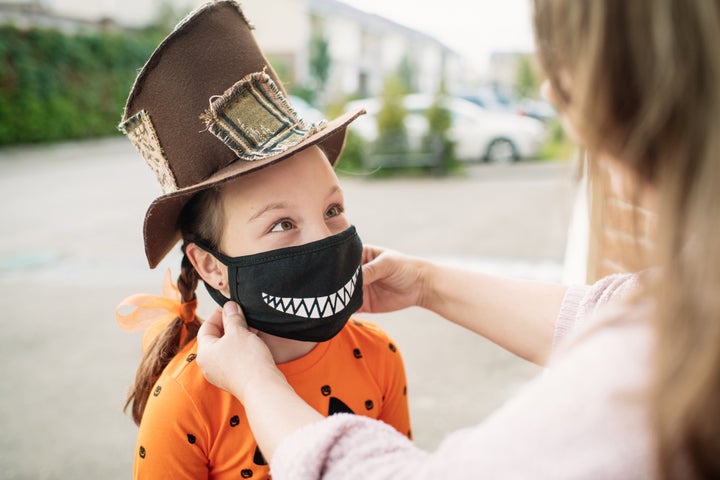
(584, 417)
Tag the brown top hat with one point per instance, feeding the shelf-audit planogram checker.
(206, 108)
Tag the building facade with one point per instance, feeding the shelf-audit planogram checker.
(363, 48)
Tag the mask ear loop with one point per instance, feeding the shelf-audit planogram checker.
(215, 294)
(224, 259)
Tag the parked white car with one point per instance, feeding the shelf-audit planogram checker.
(479, 134)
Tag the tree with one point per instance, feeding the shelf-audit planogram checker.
(407, 74)
(320, 62)
(392, 134)
(437, 141)
(527, 82)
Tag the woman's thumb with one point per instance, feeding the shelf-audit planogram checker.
(233, 316)
(371, 271)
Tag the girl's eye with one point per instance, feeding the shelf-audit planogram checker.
(282, 226)
(334, 211)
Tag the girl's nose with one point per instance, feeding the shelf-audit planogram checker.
(316, 231)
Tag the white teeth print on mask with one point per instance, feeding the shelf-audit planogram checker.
(315, 307)
(305, 292)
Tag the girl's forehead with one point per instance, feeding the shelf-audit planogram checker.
(306, 174)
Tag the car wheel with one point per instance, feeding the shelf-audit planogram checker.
(501, 150)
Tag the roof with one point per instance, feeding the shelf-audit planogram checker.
(368, 20)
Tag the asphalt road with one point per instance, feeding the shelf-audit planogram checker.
(71, 249)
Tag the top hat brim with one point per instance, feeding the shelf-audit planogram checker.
(160, 230)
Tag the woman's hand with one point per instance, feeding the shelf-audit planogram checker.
(231, 356)
(515, 314)
(391, 281)
(234, 359)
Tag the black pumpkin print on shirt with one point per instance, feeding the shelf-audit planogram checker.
(335, 405)
(258, 458)
(338, 406)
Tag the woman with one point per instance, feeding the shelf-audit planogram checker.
(633, 384)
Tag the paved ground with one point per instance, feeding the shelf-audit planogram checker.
(71, 248)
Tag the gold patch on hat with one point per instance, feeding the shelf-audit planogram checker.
(255, 120)
(141, 132)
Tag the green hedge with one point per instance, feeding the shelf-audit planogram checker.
(55, 86)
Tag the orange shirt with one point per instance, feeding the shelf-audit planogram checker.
(192, 430)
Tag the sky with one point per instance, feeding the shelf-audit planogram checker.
(474, 28)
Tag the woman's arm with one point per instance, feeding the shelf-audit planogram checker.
(571, 422)
(515, 314)
(272, 407)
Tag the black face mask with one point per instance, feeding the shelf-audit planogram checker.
(307, 292)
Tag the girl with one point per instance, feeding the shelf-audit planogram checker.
(633, 384)
(263, 225)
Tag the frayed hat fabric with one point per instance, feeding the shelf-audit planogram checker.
(206, 108)
(254, 120)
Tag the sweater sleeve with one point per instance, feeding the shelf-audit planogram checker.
(581, 302)
(351, 445)
(583, 418)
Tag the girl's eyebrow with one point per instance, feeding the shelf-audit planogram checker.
(281, 205)
(267, 208)
(335, 188)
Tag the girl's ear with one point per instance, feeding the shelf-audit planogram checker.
(210, 269)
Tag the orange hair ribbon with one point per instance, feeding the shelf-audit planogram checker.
(153, 313)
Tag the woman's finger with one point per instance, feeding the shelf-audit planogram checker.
(373, 270)
(233, 317)
(369, 253)
(212, 328)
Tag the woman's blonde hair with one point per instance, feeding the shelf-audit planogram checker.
(640, 80)
(200, 220)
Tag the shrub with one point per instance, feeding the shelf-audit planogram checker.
(352, 158)
(437, 140)
(56, 86)
(392, 134)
